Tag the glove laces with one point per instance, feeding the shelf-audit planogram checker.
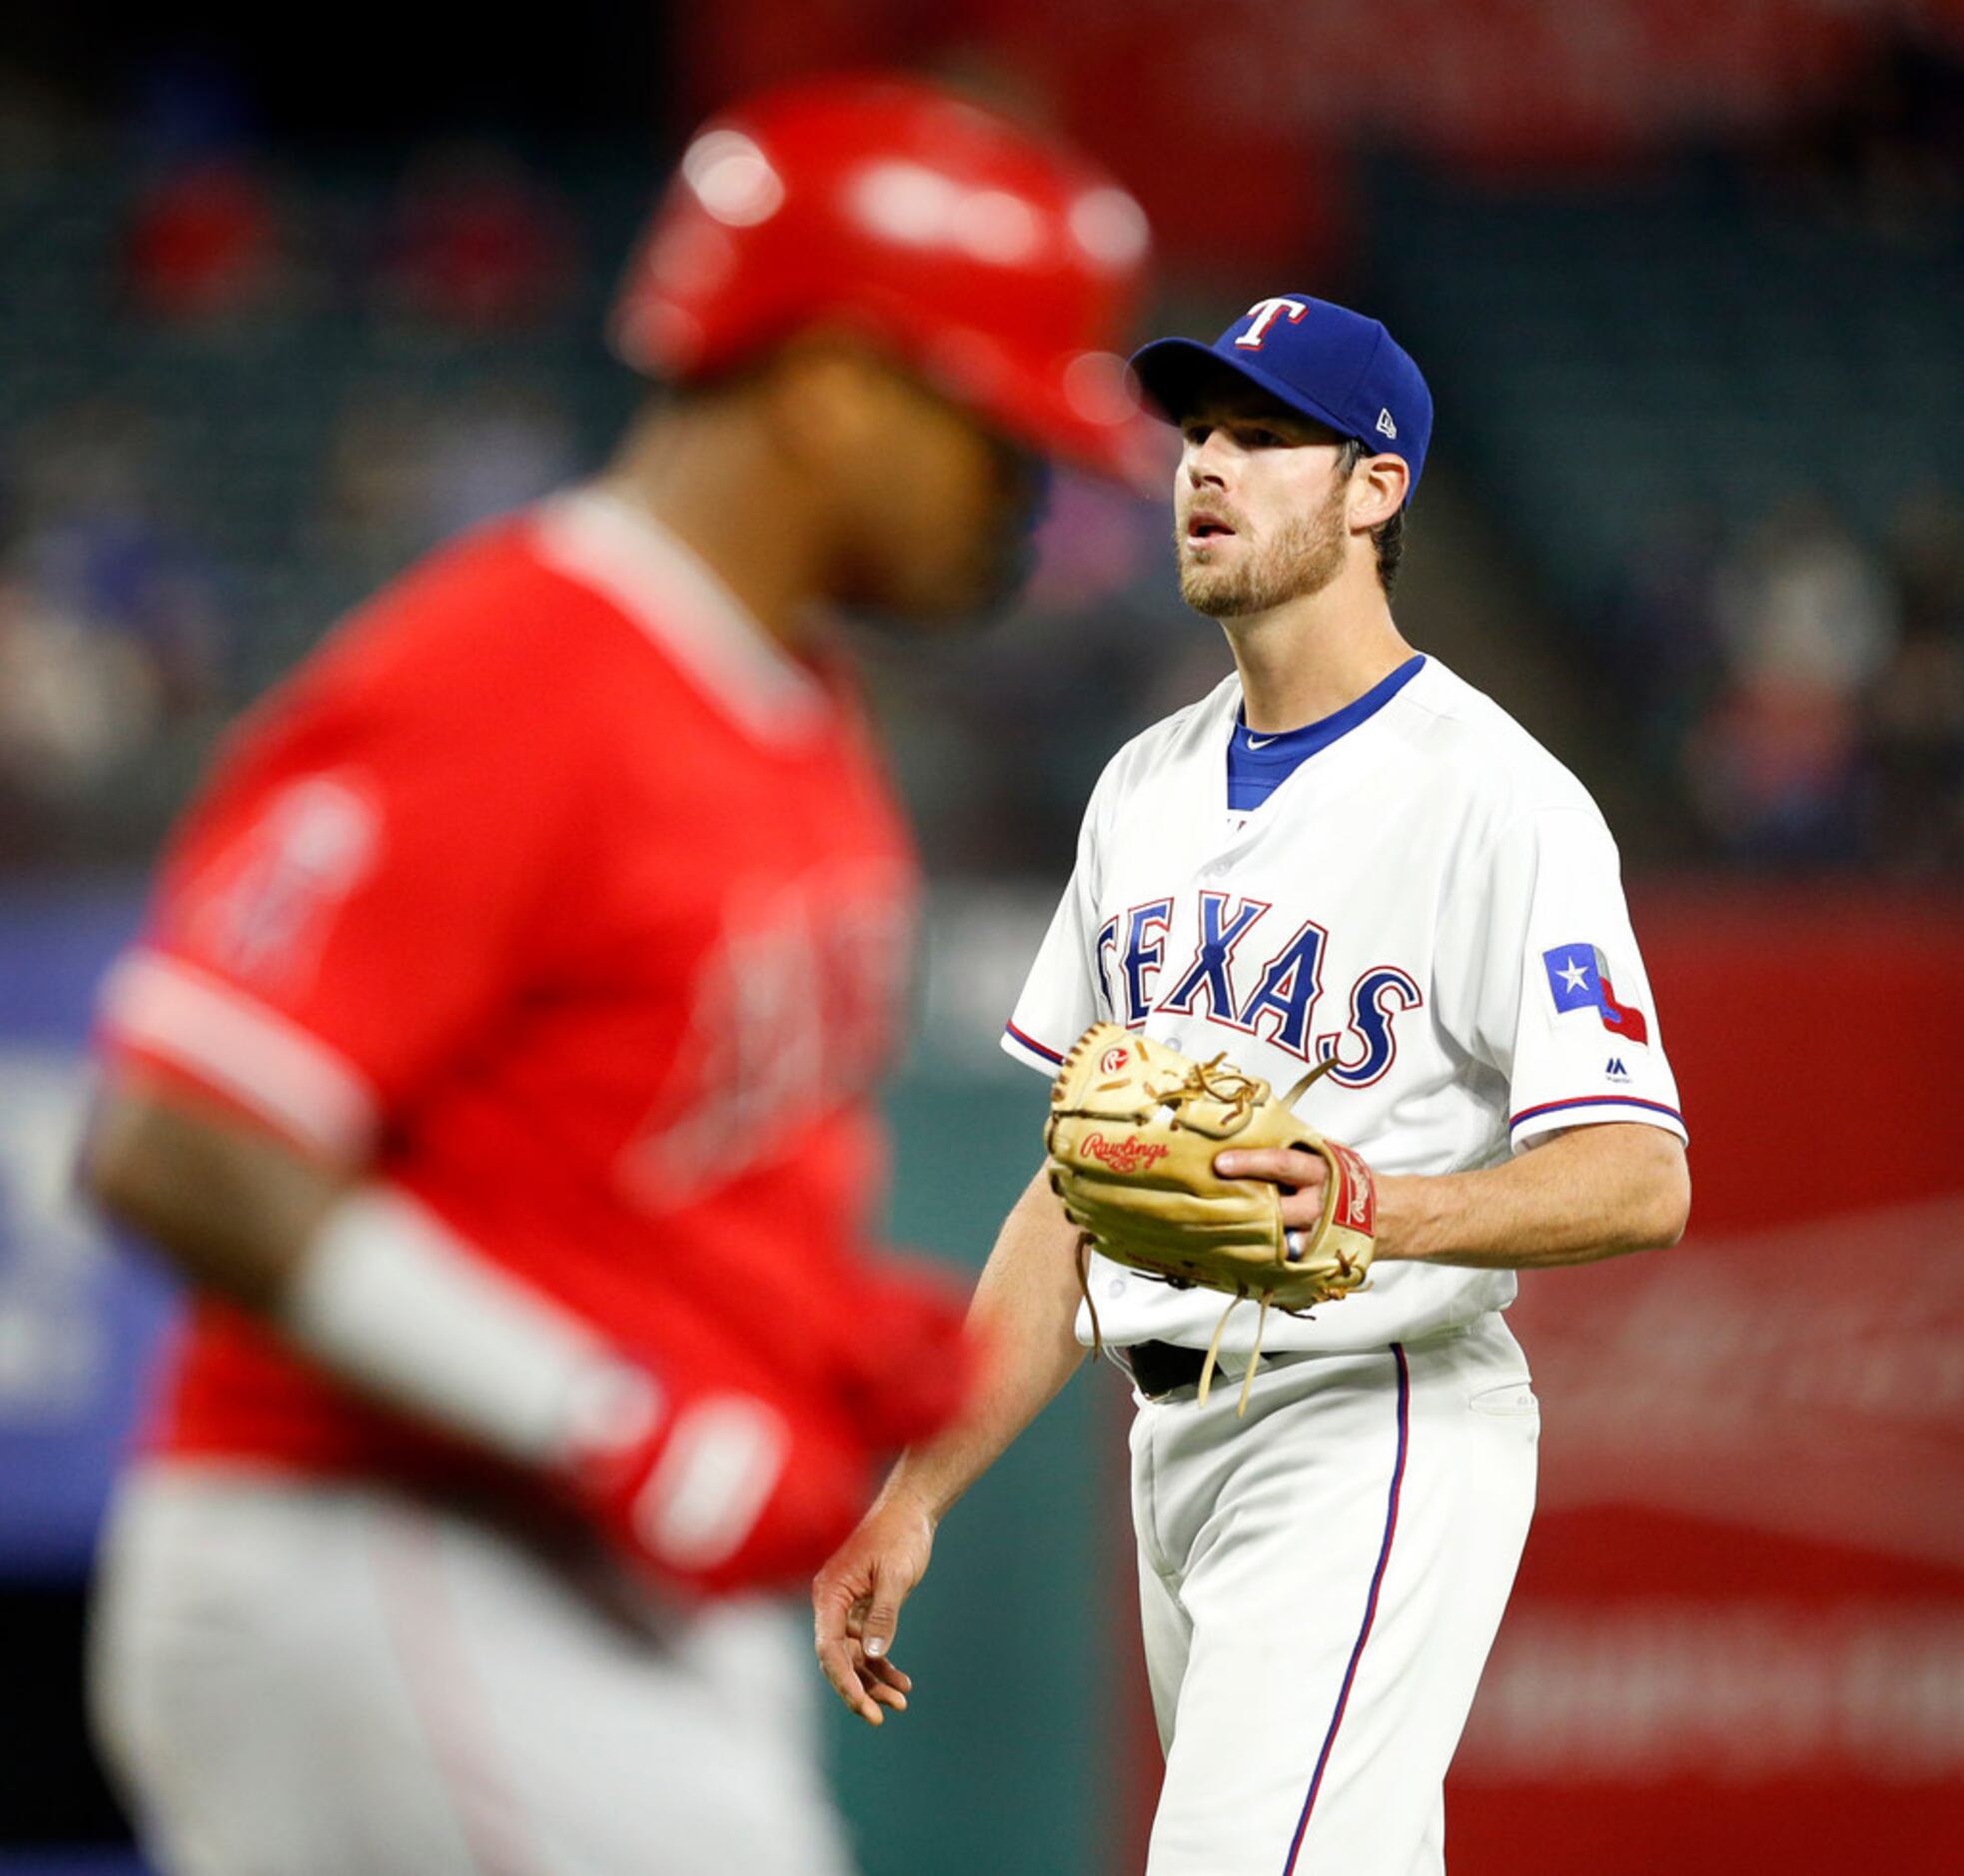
(1212, 1080)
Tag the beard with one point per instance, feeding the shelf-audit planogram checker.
(1305, 554)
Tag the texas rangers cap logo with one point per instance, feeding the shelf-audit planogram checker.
(1263, 314)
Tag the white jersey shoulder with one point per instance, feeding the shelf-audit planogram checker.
(1483, 764)
(1470, 731)
(1191, 733)
(1485, 752)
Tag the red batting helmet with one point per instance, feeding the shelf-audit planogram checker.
(997, 263)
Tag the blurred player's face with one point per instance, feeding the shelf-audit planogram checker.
(1260, 513)
(942, 530)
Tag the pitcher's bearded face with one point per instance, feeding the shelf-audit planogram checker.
(1258, 509)
(1232, 566)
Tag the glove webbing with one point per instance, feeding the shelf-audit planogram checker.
(1240, 1094)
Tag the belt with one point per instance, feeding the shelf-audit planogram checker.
(1160, 1368)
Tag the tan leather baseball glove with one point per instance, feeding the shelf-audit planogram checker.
(1134, 1128)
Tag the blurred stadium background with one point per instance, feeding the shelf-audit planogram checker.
(283, 303)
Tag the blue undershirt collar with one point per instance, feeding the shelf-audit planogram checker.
(1258, 765)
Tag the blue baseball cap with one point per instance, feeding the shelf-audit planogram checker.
(1325, 360)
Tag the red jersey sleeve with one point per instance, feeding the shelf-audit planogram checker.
(371, 863)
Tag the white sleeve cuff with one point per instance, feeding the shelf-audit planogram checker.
(386, 1297)
(1025, 1048)
(1548, 1117)
(220, 1035)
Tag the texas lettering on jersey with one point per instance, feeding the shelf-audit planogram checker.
(1245, 967)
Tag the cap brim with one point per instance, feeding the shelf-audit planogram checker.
(1172, 371)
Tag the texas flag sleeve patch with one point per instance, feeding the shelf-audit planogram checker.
(1578, 978)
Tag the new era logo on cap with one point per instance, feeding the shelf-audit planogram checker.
(1322, 360)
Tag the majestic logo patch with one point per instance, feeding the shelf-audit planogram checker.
(1615, 1068)
(1130, 1154)
(1578, 979)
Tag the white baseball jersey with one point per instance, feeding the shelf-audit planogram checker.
(1412, 887)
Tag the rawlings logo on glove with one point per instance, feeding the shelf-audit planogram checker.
(1150, 1198)
(1130, 1154)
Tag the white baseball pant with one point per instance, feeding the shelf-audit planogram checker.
(1320, 1584)
(299, 1679)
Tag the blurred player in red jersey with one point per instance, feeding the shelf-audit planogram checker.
(498, 1062)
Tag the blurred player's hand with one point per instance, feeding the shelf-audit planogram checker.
(856, 1600)
(717, 1487)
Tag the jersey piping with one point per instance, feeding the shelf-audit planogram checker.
(1647, 1107)
(1048, 1056)
(1370, 1606)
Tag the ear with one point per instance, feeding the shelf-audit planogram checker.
(1378, 491)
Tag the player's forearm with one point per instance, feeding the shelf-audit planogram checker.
(1597, 1192)
(1024, 1313)
(231, 1207)
(364, 1283)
